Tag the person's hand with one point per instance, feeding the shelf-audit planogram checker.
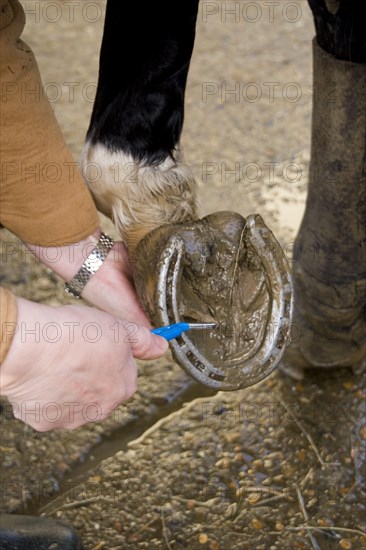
(70, 365)
(110, 289)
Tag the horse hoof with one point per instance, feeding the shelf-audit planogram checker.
(222, 268)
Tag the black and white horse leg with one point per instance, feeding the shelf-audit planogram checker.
(131, 159)
(330, 249)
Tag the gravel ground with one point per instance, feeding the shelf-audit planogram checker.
(260, 469)
(253, 469)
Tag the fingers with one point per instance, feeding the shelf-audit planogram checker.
(88, 379)
(147, 345)
(68, 411)
(132, 309)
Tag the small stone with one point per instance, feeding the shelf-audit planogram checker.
(301, 455)
(253, 498)
(279, 526)
(135, 538)
(239, 457)
(190, 504)
(200, 514)
(363, 432)
(231, 510)
(214, 545)
(223, 463)
(289, 470)
(203, 538)
(214, 501)
(345, 543)
(257, 524)
(311, 502)
(95, 479)
(232, 437)
(323, 522)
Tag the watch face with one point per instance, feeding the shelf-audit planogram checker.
(94, 261)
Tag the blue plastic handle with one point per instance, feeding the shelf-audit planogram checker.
(171, 331)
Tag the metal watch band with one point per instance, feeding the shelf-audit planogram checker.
(91, 265)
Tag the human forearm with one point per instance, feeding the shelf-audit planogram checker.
(43, 197)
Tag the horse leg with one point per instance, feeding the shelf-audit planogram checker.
(131, 159)
(330, 250)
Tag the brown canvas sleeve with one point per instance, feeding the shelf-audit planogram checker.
(8, 320)
(43, 200)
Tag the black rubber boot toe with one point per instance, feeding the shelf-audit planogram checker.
(36, 533)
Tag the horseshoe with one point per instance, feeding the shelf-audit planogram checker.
(240, 367)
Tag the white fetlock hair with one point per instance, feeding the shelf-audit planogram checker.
(136, 196)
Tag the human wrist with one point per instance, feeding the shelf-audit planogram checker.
(76, 285)
(66, 261)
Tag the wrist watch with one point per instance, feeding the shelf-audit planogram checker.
(91, 265)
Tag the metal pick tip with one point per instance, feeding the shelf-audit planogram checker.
(202, 325)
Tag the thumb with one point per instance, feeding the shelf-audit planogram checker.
(148, 345)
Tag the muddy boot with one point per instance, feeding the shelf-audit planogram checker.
(329, 255)
(36, 533)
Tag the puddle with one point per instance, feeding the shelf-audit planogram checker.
(117, 441)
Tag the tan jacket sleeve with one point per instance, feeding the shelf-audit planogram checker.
(8, 320)
(44, 200)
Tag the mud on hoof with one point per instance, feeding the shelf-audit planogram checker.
(224, 269)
